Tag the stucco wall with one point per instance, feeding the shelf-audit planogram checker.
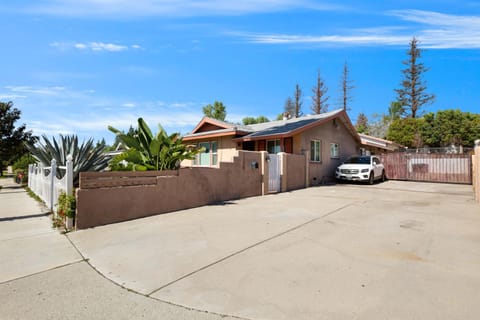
(105, 198)
(295, 171)
(227, 149)
(324, 171)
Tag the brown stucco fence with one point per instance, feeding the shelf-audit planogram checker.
(476, 172)
(294, 174)
(109, 197)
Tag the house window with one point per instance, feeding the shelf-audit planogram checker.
(334, 150)
(209, 155)
(316, 150)
(273, 146)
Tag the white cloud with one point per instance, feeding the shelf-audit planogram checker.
(93, 46)
(139, 8)
(59, 109)
(444, 31)
(434, 30)
(45, 91)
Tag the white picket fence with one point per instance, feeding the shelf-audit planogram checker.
(44, 183)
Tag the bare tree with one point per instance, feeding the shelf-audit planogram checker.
(297, 101)
(319, 98)
(346, 85)
(289, 108)
(412, 95)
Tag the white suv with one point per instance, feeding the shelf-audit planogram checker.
(361, 168)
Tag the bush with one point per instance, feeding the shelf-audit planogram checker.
(23, 162)
(66, 205)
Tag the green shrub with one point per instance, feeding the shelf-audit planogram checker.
(23, 162)
(66, 205)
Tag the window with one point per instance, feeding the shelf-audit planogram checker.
(273, 146)
(209, 155)
(334, 150)
(316, 150)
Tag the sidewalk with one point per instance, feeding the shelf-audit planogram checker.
(42, 276)
(28, 243)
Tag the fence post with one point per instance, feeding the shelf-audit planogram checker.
(30, 172)
(69, 176)
(53, 175)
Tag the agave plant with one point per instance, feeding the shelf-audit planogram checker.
(86, 157)
(152, 152)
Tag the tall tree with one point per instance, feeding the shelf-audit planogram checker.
(406, 132)
(12, 139)
(346, 85)
(297, 101)
(447, 127)
(412, 93)
(217, 111)
(362, 123)
(252, 120)
(288, 108)
(319, 98)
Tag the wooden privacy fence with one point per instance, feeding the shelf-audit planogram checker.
(448, 168)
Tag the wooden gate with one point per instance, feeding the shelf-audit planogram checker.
(428, 167)
(274, 173)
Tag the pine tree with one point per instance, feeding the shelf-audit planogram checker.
(346, 85)
(362, 123)
(319, 98)
(412, 94)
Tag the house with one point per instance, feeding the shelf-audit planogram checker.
(324, 140)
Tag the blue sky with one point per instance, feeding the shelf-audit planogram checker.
(78, 66)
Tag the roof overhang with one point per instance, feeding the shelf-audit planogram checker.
(213, 134)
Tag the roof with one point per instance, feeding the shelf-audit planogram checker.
(272, 129)
(224, 129)
(378, 142)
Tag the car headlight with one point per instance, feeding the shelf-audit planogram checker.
(364, 170)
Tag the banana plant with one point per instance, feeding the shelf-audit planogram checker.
(147, 151)
(86, 156)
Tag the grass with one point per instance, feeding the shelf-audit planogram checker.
(34, 196)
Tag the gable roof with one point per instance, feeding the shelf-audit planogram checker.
(272, 129)
(210, 128)
(286, 128)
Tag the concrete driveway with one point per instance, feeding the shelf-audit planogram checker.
(396, 250)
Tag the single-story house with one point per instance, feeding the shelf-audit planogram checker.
(324, 139)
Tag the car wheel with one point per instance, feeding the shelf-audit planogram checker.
(383, 176)
(371, 180)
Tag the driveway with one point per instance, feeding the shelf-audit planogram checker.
(396, 250)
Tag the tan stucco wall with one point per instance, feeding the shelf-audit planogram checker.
(324, 171)
(105, 198)
(295, 171)
(227, 149)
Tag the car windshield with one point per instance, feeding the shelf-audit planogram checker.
(358, 160)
